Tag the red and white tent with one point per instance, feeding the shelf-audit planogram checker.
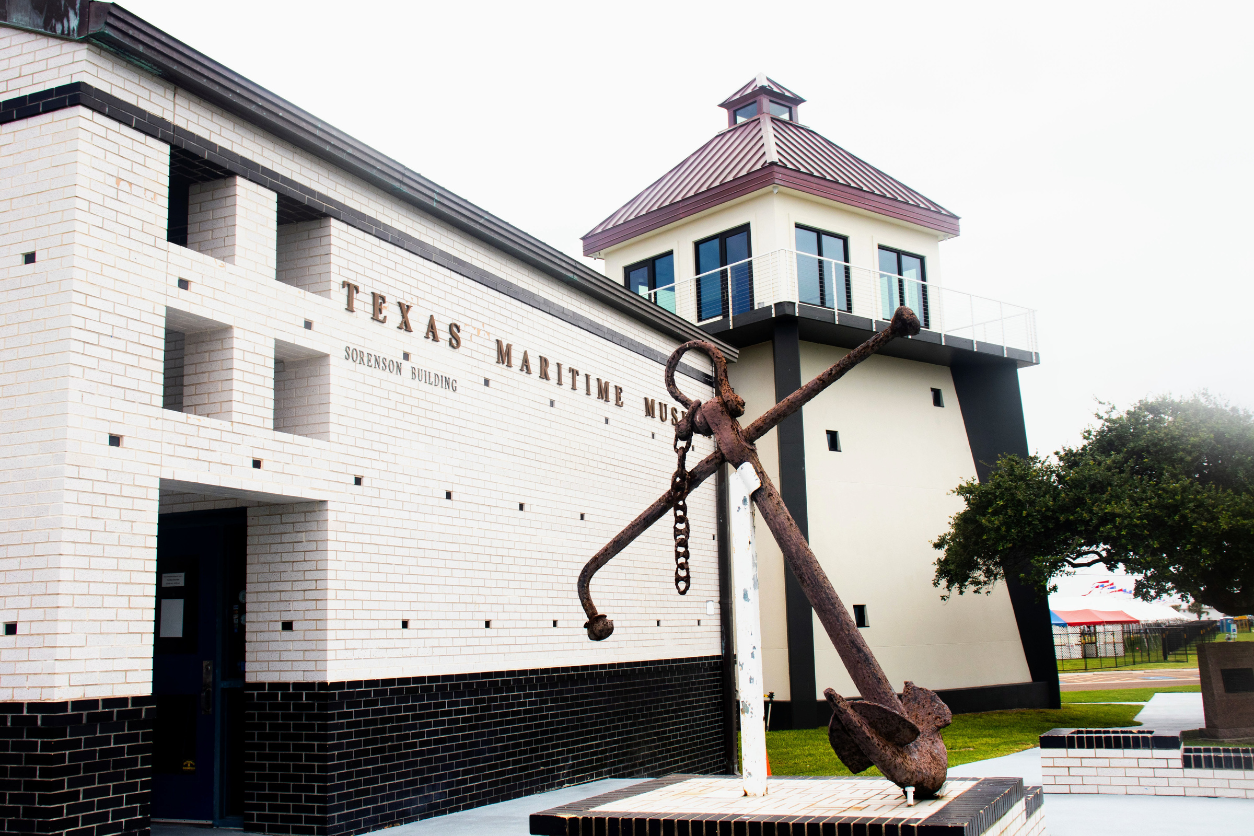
(1086, 618)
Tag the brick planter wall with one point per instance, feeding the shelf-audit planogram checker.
(1140, 762)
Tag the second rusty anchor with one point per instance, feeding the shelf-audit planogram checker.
(900, 734)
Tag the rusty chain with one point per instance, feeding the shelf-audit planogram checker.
(682, 526)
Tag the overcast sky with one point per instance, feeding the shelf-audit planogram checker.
(1099, 154)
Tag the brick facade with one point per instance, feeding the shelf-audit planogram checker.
(81, 767)
(349, 757)
(417, 510)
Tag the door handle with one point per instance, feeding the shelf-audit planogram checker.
(206, 687)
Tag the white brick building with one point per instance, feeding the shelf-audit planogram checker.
(254, 420)
(302, 455)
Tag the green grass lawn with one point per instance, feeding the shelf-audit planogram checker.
(972, 737)
(1126, 694)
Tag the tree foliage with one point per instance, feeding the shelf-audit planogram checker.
(1164, 490)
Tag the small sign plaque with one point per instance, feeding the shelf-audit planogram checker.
(173, 579)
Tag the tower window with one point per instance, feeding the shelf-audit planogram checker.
(859, 615)
(654, 279)
(822, 270)
(833, 441)
(903, 281)
(937, 398)
(747, 112)
(783, 111)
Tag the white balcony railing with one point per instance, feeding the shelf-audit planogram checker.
(789, 276)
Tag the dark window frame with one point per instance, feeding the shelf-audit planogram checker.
(650, 264)
(924, 315)
(737, 118)
(722, 237)
(822, 285)
(787, 110)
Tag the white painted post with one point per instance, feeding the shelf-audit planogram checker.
(748, 630)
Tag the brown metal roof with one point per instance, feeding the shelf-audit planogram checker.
(806, 150)
(764, 83)
(752, 146)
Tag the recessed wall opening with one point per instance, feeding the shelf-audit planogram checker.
(186, 170)
(197, 351)
(10, 628)
(303, 248)
(833, 441)
(302, 391)
(937, 398)
(859, 615)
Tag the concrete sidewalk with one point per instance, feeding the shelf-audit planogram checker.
(1119, 815)
(1066, 815)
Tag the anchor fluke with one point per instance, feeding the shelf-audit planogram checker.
(599, 627)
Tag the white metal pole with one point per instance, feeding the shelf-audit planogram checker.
(748, 630)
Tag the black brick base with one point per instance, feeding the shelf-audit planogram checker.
(346, 757)
(81, 768)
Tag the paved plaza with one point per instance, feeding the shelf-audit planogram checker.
(1067, 815)
(1111, 679)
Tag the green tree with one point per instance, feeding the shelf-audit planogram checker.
(1164, 490)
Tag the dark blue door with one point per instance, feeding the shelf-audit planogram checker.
(198, 668)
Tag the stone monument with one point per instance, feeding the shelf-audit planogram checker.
(1227, 674)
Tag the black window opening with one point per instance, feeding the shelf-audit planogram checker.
(937, 398)
(833, 441)
(654, 279)
(859, 615)
(781, 111)
(903, 281)
(823, 270)
(187, 169)
(747, 112)
(724, 275)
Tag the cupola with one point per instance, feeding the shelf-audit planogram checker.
(761, 95)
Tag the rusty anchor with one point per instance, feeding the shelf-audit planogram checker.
(900, 734)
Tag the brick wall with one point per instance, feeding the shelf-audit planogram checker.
(85, 340)
(79, 767)
(1125, 762)
(348, 757)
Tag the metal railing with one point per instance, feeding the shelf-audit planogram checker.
(790, 276)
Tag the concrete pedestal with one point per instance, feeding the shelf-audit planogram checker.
(697, 805)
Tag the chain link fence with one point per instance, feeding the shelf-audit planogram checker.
(1122, 645)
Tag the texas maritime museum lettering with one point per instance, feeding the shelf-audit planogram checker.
(544, 368)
